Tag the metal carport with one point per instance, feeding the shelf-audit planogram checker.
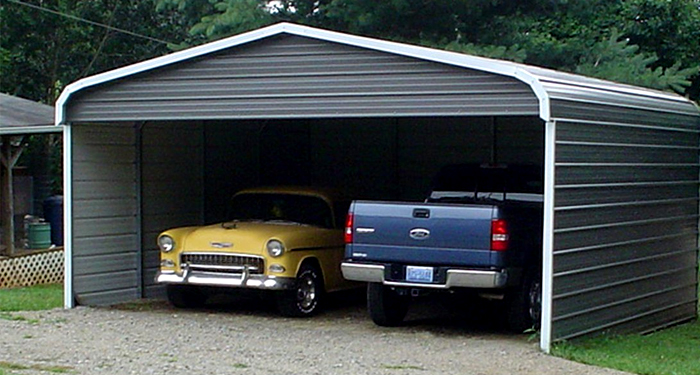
(151, 146)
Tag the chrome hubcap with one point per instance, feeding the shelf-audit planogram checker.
(306, 293)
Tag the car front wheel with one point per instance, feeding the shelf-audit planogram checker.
(305, 299)
(185, 296)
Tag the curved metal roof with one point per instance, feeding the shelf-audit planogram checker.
(546, 84)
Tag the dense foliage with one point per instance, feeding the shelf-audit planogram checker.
(42, 51)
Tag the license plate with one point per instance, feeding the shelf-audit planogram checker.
(419, 274)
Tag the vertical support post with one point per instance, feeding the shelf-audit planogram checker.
(8, 226)
(68, 300)
(9, 158)
(548, 236)
(138, 136)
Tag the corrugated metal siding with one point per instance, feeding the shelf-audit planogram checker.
(172, 189)
(295, 77)
(626, 219)
(105, 235)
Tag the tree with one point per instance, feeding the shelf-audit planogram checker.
(615, 59)
(63, 47)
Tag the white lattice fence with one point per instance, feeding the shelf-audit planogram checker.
(45, 267)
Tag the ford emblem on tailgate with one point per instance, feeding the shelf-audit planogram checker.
(419, 233)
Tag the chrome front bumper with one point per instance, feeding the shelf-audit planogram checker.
(456, 278)
(232, 280)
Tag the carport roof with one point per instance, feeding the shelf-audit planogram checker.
(546, 84)
(22, 116)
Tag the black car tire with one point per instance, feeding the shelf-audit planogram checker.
(525, 304)
(385, 306)
(185, 296)
(305, 299)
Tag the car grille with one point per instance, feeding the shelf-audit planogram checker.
(223, 262)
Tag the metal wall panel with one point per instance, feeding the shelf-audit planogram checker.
(105, 234)
(171, 177)
(625, 221)
(295, 77)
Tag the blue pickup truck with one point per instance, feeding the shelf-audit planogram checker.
(480, 228)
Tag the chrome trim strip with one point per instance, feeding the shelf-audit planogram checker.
(456, 278)
(243, 280)
(372, 273)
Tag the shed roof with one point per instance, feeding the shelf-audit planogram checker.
(23, 116)
(546, 84)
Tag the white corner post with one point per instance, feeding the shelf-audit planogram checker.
(548, 236)
(68, 300)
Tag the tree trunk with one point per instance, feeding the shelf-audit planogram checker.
(9, 159)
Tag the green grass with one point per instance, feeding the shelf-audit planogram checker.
(33, 298)
(8, 366)
(674, 351)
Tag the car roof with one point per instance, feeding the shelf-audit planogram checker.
(328, 194)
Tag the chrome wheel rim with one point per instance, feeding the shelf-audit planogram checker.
(306, 293)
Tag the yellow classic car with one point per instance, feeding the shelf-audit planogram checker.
(287, 240)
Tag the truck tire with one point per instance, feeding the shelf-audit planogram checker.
(305, 299)
(386, 307)
(525, 304)
(185, 296)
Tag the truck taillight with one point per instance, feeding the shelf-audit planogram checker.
(348, 227)
(499, 235)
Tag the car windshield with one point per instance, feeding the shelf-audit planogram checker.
(302, 209)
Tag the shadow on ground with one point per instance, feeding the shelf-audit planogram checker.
(459, 314)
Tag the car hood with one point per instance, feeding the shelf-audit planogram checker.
(251, 237)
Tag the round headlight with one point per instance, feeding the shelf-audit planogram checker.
(166, 243)
(275, 248)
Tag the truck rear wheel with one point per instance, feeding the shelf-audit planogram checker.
(525, 304)
(386, 307)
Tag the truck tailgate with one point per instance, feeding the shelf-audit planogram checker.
(444, 234)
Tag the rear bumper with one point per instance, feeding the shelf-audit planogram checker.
(456, 278)
(237, 280)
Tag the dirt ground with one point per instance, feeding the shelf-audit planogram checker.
(247, 336)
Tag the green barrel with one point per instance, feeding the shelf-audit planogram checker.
(39, 235)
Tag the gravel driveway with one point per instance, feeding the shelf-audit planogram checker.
(231, 337)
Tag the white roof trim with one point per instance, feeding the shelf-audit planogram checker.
(21, 130)
(535, 77)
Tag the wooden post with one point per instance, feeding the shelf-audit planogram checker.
(9, 158)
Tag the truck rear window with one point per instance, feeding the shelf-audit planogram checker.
(488, 180)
